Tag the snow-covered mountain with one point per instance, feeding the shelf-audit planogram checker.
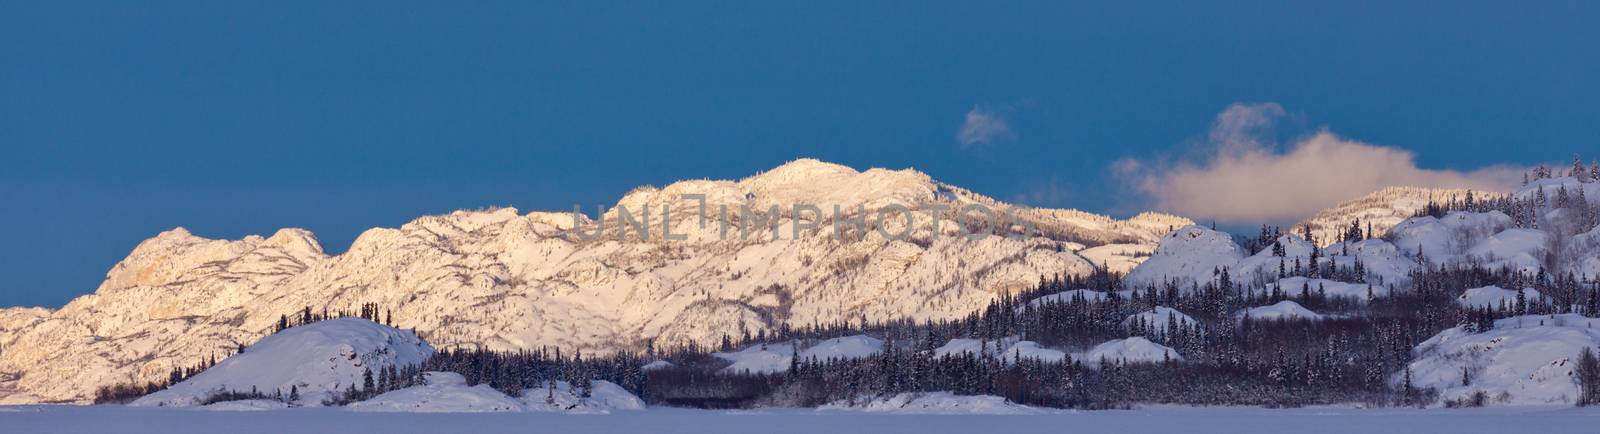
(1558, 238)
(504, 279)
(1382, 209)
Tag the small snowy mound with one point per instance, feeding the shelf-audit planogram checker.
(604, 397)
(315, 359)
(1495, 297)
(1032, 350)
(848, 347)
(935, 403)
(758, 359)
(1525, 360)
(775, 357)
(445, 392)
(974, 346)
(1130, 350)
(1160, 319)
(1190, 254)
(1282, 310)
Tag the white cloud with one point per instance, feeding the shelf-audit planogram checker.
(985, 124)
(1243, 178)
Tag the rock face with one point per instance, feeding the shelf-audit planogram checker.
(506, 280)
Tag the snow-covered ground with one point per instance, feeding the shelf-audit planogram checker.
(935, 403)
(1158, 420)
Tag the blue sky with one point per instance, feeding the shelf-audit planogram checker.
(122, 119)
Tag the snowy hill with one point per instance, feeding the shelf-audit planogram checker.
(317, 359)
(604, 397)
(1283, 310)
(1160, 319)
(1522, 360)
(1130, 350)
(1382, 209)
(1191, 254)
(444, 392)
(775, 357)
(508, 280)
(447, 392)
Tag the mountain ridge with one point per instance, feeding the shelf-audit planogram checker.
(503, 279)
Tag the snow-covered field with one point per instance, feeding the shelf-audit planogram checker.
(1161, 420)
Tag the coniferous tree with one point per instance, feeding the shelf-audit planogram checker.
(1588, 378)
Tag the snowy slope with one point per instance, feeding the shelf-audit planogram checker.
(1522, 360)
(1278, 311)
(1383, 209)
(1189, 254)
(1496, 297)
(1584, 250)
(1358, 291)
(444, 392)
(957, 346)
(775, 357)
(1120, 258)
(1447, 238)
(509, 280)
(604, 397)
(1552, 185)
(318, 358)
(1383, 262)
(758, 359)
(1086, 295)
(1032, 350)
(1160, 318)
(1129, 350)
(1520, 249)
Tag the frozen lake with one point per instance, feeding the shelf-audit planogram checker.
(109, 419)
